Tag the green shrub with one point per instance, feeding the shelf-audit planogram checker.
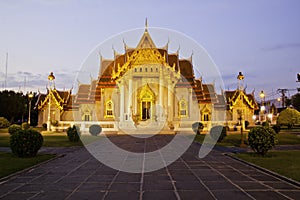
(218, 133)
(261, 139)
(44, 125)
(25, 126)
(54, 123)
(276, 128)
(12, 129)
(246, 124)
(73, 133)
(26, 143)
(4, 123)
(197, 127)
(95, 129)
(288, 117)
(265, 124)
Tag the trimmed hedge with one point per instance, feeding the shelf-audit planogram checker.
(73, 133)
(26, 143)
(4, 123)
(218, 133)
(261, 139)
(197, 127)
(95, 129)
(12, 129)
(25, 126)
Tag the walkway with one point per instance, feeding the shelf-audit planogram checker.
(78, 175)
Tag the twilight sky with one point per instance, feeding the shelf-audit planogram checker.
(259, 38)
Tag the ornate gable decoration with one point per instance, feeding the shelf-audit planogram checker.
(137, 58)
(146, 56)
(237, 98)
(146, 93)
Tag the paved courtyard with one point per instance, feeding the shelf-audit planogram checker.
(78, 175)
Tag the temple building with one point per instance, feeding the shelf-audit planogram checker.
(146, 86)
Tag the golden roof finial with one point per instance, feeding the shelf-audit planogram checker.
(146, 25)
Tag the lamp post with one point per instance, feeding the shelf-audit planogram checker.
(51, 78)
(30, 96)
(240, 78)
(262, 106)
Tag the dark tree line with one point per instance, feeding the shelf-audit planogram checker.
(14, 107)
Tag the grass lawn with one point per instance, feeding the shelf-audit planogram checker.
(234, 139)
(10, 163)
(51, 139)
(286, 163)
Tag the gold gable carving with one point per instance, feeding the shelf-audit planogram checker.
(137, 58)
(146, 56)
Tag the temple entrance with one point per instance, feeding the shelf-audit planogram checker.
(146, 109)
(146, 100)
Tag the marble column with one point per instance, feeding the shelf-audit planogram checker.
(170, 101)
(122, 98)
(129, 99)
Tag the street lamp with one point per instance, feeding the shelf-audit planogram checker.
(30, 96)
(240, 79)
(51, 78)
(262, 106)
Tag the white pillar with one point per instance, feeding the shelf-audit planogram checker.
(169, 100)
(122, 97)
(161, 88)
(129, 98)
(190, 102)
(161, 112)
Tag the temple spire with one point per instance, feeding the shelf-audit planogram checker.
(146, 40)
(146, 25)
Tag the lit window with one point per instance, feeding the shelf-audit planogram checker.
(86, 117)
(206, 117)
(182, 108)
(109, 109)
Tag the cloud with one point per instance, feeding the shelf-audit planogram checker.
(27, 81)
(282, 46)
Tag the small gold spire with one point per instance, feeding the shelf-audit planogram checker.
(146, 25)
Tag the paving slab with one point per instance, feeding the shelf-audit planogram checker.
(78, 175)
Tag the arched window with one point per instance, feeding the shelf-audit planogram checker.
(183, 108)
(86, 117)
(206, 117)
(109, 109)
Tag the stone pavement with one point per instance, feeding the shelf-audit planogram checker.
(78, 175)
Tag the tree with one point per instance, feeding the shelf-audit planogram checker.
(288, 117)
(15, 107)
(296, 101)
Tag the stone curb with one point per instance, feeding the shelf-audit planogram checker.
(4, 179)
(291, 181)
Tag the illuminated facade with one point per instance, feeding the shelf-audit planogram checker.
(144, 86)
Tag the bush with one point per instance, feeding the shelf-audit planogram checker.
(4, 123)
(26, 143)
(265, 124)
(218, 133)
(261, 139)
(73, 133)
(246, 124)
(55, 123)
(288, 117)
(95, 129)
(12, 129)
(44, 125)
(197, 127)
(25, 126)
(276, 128)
